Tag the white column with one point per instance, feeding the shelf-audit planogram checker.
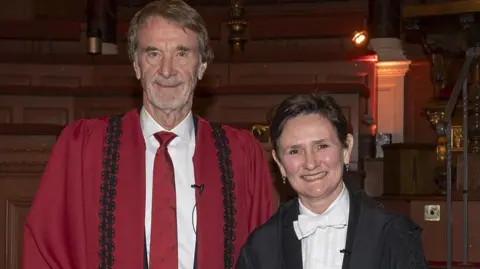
(391, 68)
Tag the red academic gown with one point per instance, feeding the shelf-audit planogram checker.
(85, 215)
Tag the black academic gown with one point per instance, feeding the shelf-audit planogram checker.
(376, 239)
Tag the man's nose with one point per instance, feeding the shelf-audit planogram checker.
(167, 67)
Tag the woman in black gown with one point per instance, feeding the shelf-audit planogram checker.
(331, 225)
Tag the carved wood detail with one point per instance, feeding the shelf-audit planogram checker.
(298, 32)
(17, 210)
(17, 189)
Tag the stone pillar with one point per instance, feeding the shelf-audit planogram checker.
(391, 68)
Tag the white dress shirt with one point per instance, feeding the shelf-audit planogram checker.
(324, 236)
(181, 150)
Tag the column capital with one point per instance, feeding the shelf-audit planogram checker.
(392, 68)
(388, 49)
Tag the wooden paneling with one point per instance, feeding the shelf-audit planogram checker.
(16, 192)
(17, 10)
(232, 78)
(40, 30)
(24, 151)
(294, 32)
(434, 238)
(418, 91)
(346, 23)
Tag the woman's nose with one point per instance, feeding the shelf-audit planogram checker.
(310, 161)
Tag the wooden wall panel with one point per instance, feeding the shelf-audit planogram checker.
(38, 109)
(434, 237)
(94, 107)
(66, 74)
(16, 193)
(288, 32)
(16, 213)
(20, 10)
(418, 91)
(6, 114)
(45, 75)
(24, 149)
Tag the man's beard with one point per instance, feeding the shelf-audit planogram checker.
(182, 96)
(170, 100)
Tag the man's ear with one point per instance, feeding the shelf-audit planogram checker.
(136, 67)
(201, 70)
(279, 164)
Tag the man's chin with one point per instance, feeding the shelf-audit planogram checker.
(167, 107)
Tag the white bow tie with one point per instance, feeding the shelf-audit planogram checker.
(307, 225)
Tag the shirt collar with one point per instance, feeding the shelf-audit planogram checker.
(342, 204)
(184, 130)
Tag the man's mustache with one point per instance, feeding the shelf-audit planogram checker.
(166, 82)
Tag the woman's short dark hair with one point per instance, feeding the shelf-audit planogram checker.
(305, 104)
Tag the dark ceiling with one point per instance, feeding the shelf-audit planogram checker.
(138, 3)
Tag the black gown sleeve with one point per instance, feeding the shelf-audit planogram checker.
(403, 247)
(246, 258)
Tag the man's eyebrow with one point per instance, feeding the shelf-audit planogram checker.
(184, 48)
(150, 48)
(179, 48)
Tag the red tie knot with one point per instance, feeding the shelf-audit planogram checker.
(164, 138)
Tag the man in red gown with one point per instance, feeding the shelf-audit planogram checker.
(98, 204)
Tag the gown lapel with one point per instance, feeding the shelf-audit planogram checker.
(130, 197)
(210, 222)
(291, 246)
(355, 204)
(364, 234)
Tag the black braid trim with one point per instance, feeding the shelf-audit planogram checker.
(108, 193)
(225, 164)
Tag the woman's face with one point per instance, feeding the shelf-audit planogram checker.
(312, 157)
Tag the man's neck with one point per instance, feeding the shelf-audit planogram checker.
(168, 119)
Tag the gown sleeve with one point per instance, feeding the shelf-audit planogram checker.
(403, 246)
(246, 258)
(260, 185)
(53, 237)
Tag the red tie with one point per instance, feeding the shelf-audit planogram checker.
(163, 239)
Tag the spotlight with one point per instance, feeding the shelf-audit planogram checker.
(359, 37)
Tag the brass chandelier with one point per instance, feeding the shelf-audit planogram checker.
(237, 26)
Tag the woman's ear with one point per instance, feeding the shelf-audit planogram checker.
(279, 164)
(347, 152)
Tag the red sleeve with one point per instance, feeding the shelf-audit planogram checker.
(53, 235)
(260, 185)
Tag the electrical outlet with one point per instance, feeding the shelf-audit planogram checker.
(432, 213)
